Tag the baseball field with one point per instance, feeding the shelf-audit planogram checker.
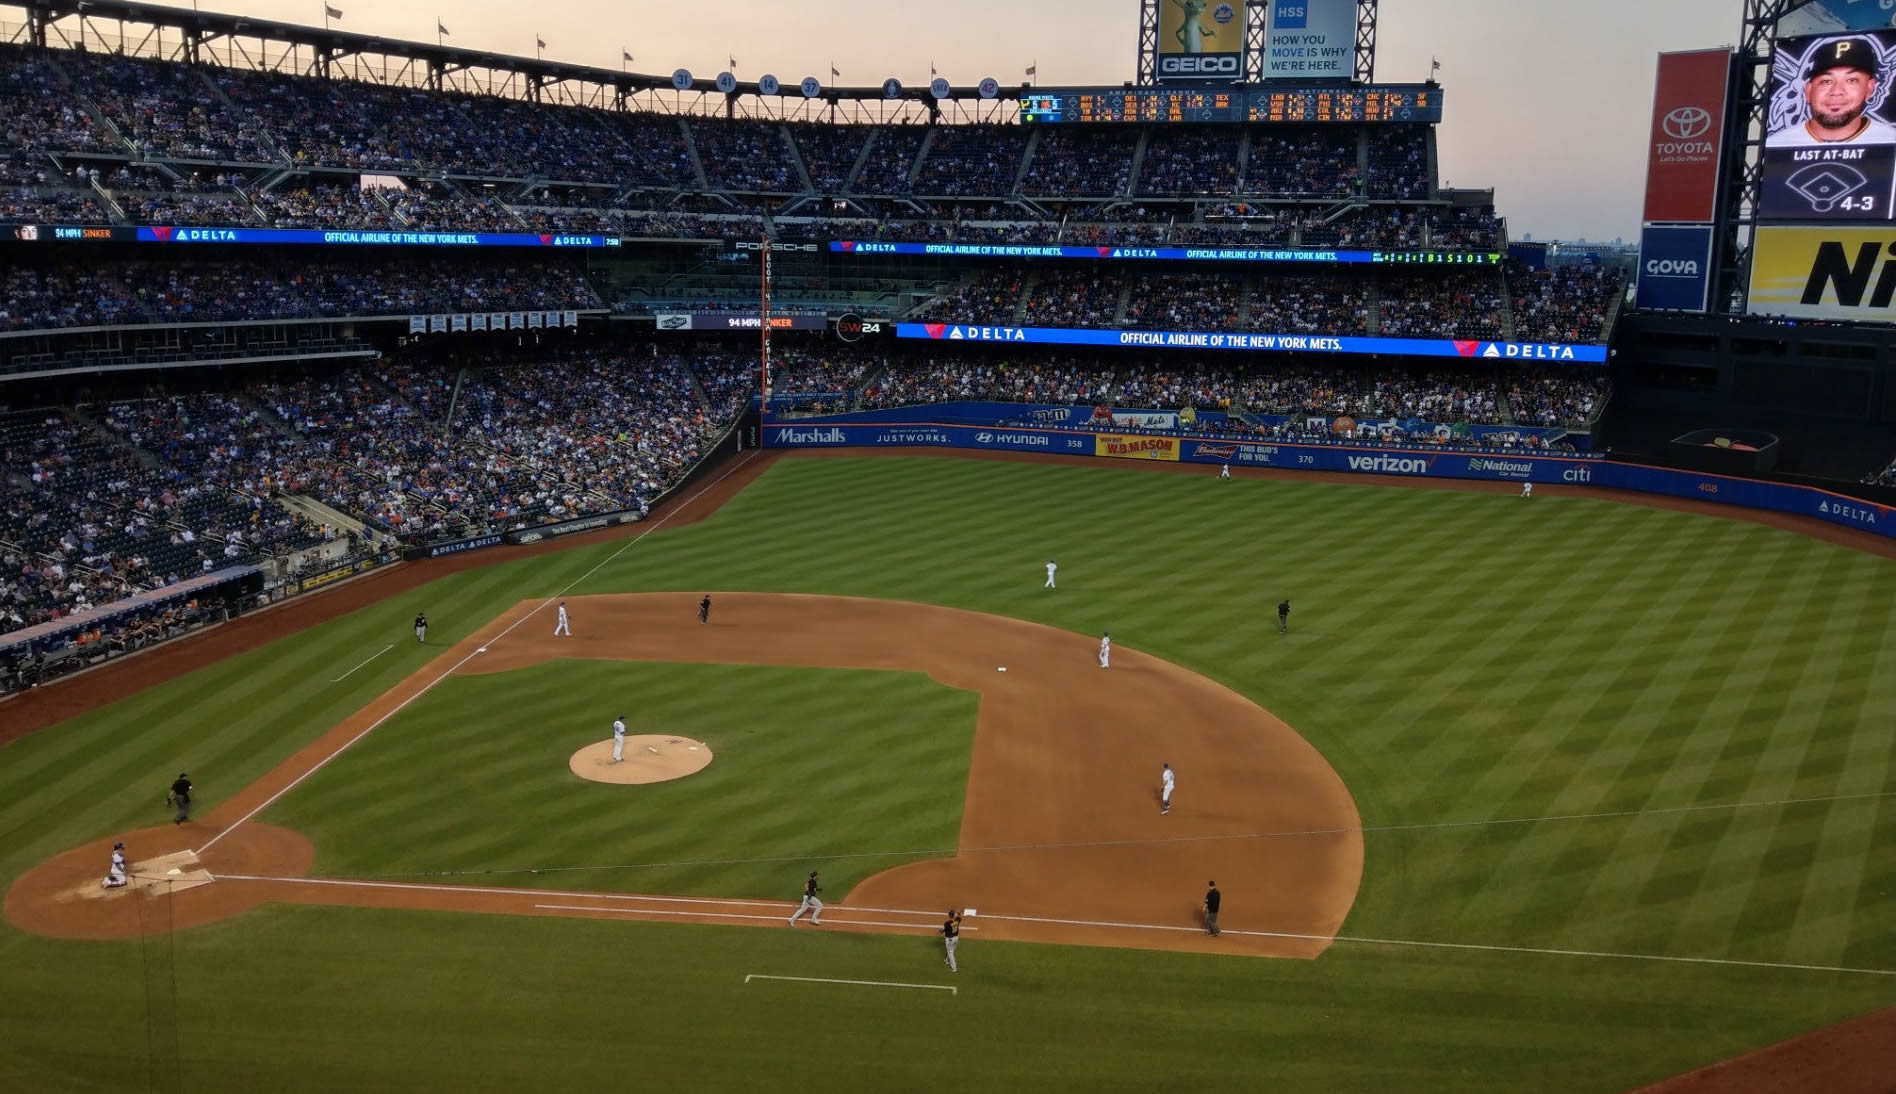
(1558, 793)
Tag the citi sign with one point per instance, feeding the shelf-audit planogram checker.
(831, 435)
(1389, 465)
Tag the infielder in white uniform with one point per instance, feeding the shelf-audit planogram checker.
(618, 739)
(561, 627)
(1106, 650)
(1051, 567)
(810, 903)
(1166, 779)
(1527, 489)
(115, 878)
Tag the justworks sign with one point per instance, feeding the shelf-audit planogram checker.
(1223, 67)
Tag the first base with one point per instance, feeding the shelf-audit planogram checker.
(483, 649)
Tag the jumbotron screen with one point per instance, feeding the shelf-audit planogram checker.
(1830, 133)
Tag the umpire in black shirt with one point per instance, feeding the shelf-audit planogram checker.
(180, 797)
(1213, 898)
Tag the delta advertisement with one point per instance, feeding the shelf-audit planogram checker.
(1201, 41)
(1688, 125)
(1823, 273)
(1166, 254)
(1267, 343)
(1675, 264)
(57, 233)
(1311, 38)
(1364, 460)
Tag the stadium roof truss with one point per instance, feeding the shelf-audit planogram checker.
(174, 34)
(1744, 149)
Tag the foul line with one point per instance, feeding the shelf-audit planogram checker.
(1285, 834)
(628, 545)
(1417, 943)
(372, 657)
(735, 915)
(949, 988)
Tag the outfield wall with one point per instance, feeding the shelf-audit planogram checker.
(1592, 471)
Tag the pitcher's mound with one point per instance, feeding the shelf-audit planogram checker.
(652, 758)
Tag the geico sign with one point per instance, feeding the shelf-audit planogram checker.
(1672, 267)
(1207, 64)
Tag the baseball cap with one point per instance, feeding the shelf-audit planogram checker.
(1857, 53)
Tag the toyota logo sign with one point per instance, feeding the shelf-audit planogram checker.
(1687, 122)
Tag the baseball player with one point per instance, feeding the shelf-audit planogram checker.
(115, 877)
(704, 609)
(421, 627)
(1527, 489)
(561, 627)
(1051, 567)
(1166, 781)
(1213, 898)
(1225, 472)
(950, 936)
(1283, 618)
(1106, 650)
(810, 903)
(618, 739)
(180, 796)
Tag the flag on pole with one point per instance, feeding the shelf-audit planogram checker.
(1434, 65)
(733, 62)
(625, 56)
(834, 75)
(440, 28)
(331, 13)
(539, 42)
(1033, 69)
(931, 69)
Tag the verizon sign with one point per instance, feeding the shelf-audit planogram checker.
(1688, 121)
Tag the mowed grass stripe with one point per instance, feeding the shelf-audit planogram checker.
(790, 778)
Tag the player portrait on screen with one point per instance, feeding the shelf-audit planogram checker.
(1829, 95)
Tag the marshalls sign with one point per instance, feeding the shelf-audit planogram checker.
(1311, 38)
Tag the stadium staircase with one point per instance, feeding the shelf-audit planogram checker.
(1026, 161)
(796, 159)
(921, 157)
(1612, 315)
(1138, 162)
(104, 197)
(862, 157)
(1507, 305)
(1026, 294)
(1119, 306)
(691, 150)
(1372, 324)
(262, 132)
(1244, 160)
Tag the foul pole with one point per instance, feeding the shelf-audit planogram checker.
(763, 407)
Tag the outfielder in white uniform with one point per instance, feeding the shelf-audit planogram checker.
(618, 739)
(1527, 489)
(115, 878)
(1051, 567)
(1166, 779)
(1226, 473)
(810, 903)
(1105, 650)
(561, 627)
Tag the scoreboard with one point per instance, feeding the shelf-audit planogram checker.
(1417, 103)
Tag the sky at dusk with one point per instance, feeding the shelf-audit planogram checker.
(1546, 101)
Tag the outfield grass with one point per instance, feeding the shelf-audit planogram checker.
(1459, 659)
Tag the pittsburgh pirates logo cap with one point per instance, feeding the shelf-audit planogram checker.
(1857, 53)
